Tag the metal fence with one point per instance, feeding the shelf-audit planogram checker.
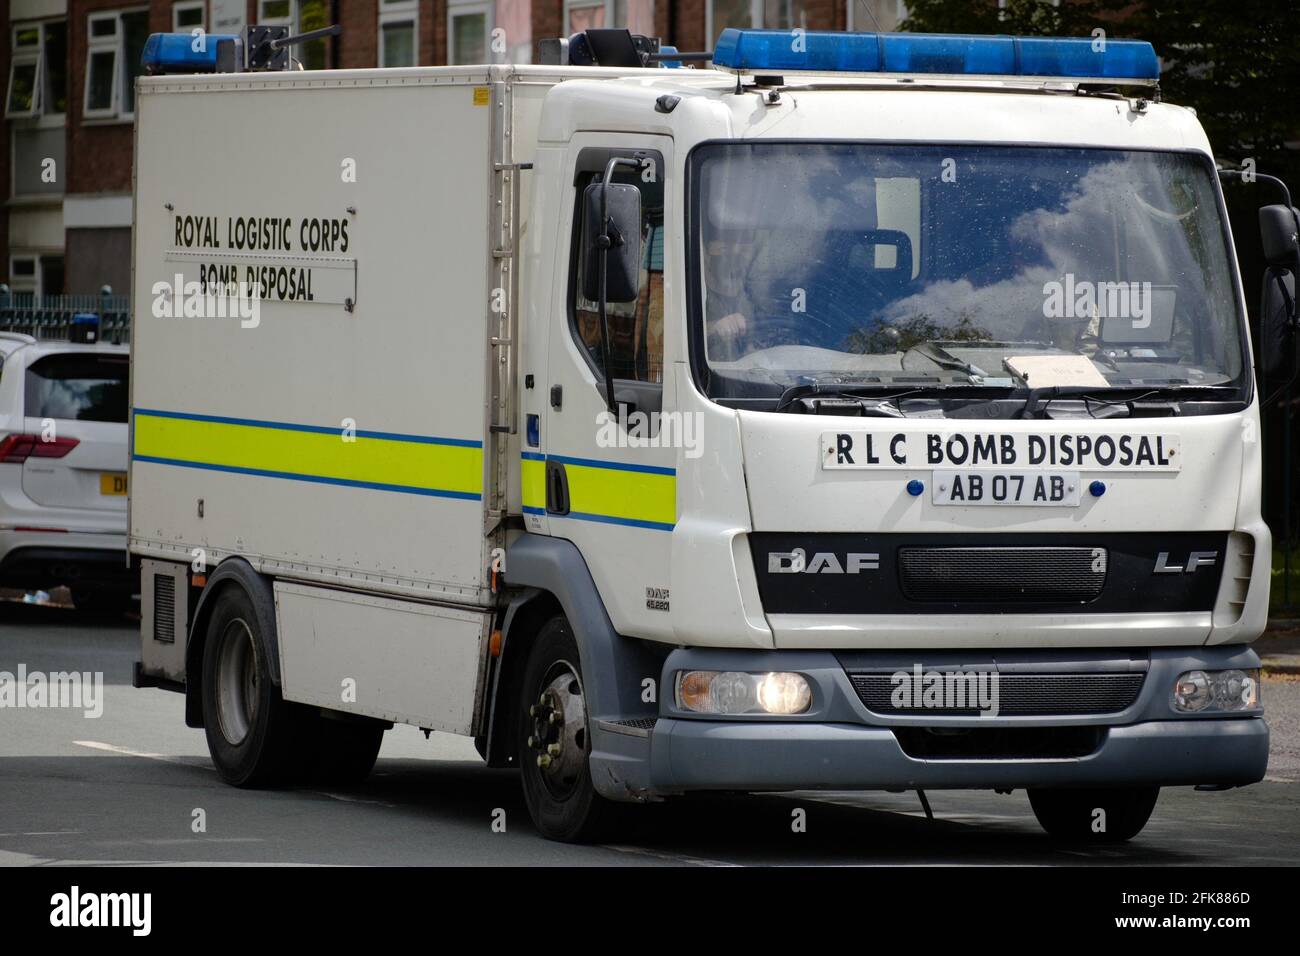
(50, 317)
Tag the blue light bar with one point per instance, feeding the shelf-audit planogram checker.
(190, 53)
(949, 54)
(786, 50)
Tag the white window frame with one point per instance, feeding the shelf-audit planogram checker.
(570, 5)
(186, 6)
(611, 12)
(850, 16)
(401, 11)
(27, 56)
(456, 9)
(291, 21)
(30, 283)
(711, 32)
(115, 44)
(104, 44)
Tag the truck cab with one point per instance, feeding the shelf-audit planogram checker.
(925, 381)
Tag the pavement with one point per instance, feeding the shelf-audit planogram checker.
(136, 786)
(1279, 647)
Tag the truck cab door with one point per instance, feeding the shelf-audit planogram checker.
(611, 477)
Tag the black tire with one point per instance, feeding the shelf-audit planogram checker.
(256, 738)
(1072, 815)
(346, 750)
(560, 797)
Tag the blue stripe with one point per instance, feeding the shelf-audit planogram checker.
(313, 429)
(607, 519)
(531, 510)
(613, 465)
(316, 479)
(532, 456)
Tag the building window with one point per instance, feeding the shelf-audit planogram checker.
(880, 15)
(114, 43)
(637, 15)
(753, 14)
(398, 33)
(38, 71)
(469, 28)
(22, 274)
(300, 16)
(33, 275)
(187, 16)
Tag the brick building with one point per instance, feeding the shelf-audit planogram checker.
(69, 67)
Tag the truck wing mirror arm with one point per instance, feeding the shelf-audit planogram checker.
(613, 225)
(1279, 346)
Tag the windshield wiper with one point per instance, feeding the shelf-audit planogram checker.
(1038, 399)
(941, 357)
(796, 392)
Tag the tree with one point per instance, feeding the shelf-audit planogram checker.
(1237, 62)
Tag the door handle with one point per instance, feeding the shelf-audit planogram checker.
(557, 489)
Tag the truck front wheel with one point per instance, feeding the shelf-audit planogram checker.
(553, 740)
(254, 735)
(1094, 816)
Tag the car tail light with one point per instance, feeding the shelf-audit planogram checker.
(16, 449)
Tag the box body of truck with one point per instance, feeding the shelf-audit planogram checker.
(408, 447)
(343, 436)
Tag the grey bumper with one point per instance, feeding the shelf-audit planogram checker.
(839, 744)
(695, 755)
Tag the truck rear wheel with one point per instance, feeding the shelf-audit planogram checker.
(346, 750)
(1094, 816)
(256, 738)
(554, 742)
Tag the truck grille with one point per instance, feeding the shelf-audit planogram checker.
(999, 743)
(1041, 695)
(1002, 575)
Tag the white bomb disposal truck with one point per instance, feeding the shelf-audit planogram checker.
(859, 412)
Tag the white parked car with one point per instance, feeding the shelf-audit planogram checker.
(63, 469)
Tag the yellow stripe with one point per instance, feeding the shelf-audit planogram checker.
(621, 494)
(324, 455)
(630, 495)
(532, 481)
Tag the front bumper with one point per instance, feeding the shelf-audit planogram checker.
(33, 559)
(841, 745)
(698, 755)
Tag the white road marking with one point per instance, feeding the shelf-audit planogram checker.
(344, 798)
(671, 857)
(127, 752)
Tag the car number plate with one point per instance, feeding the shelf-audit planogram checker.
(981, 487)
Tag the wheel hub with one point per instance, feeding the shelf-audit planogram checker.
(558, 740)
(236, 682)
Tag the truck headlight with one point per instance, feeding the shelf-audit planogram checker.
(1216, 691)
(737, 692)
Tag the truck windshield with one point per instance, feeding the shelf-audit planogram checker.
(877, 265)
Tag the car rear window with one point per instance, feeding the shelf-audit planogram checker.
(90, 388)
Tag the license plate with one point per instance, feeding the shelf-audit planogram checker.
(1049, 488)
(111, 484)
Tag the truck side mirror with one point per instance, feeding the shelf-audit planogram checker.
(1277, 233)
(618, 232)
(1277, 306)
